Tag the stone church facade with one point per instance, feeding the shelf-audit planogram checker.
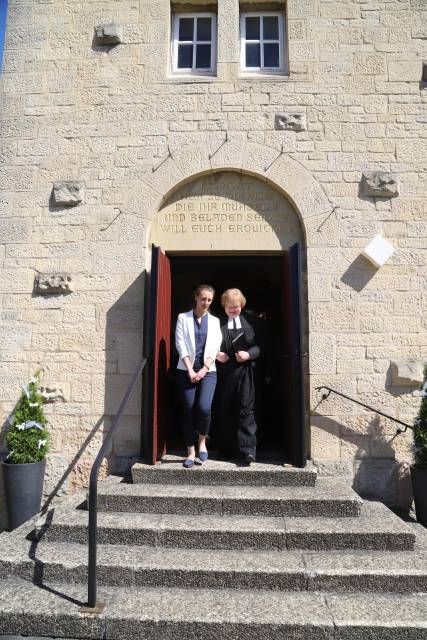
(306, 123)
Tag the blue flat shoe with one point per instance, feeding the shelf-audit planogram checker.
(203, 456)
(188, 463)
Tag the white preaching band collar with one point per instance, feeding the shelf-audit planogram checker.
(230, 324)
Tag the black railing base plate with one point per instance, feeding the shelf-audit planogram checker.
(96, 610)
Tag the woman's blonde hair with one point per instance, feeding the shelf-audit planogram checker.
(233, 295)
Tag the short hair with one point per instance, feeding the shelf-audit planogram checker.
(233, 295)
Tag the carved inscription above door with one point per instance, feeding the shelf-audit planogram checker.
(226, 211)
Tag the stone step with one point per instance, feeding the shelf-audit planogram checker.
(218, 472)
(376, 528)
(188, 614)
(330, 497)
(122, 565)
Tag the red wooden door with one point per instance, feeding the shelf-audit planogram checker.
(159, 353)
(295, 433)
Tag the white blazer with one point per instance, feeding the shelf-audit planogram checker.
(185, 340)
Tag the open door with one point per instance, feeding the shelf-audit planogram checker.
(295, 436)
(157, 389)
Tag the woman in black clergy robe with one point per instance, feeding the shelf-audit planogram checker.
(236, 386)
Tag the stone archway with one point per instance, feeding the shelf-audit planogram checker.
(188, 162)
(226, 211)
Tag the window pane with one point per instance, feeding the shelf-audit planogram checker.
(204, 28)
(271, 55)
(203, 56)
(185, 56)
(252, 29)
(253, 58)
(186, 26)
(271, 28)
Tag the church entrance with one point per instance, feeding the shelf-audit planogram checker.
(260, 278)
(228, 229)
(270, 284)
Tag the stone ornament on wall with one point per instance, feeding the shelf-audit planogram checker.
(52, 283)
(67, 193)
(52, 394)
(295, 121)
(108, 34)
(406, 373)
(380, 184)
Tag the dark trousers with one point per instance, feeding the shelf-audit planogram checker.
(237, 400)
(197, 402)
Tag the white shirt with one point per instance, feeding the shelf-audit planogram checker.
(230, 324)
(186, 342)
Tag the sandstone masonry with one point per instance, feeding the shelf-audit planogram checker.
(114, 121)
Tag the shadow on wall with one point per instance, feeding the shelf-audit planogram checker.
(3, 522)
(124, 325)
(375, 472)
(3, 453)
(359, 273)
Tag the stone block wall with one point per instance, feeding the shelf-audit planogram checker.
(118, 132)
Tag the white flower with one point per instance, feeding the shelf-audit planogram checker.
(33, 380)
(21, 426)
(41, 443)
(33, 404)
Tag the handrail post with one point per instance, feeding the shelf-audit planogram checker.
(93, 542)
(92, 606)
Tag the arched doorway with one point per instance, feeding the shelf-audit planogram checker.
(231, 229)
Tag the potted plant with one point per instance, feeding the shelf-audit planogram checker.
(27, 442)
(419, 467)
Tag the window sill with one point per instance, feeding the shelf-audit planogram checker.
(192, 77)
(266, 76)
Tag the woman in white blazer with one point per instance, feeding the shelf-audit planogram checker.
(198, 339)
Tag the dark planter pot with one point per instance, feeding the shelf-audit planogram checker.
(23, 488)
(419, 486)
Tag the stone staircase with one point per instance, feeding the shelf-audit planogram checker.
(220, 552)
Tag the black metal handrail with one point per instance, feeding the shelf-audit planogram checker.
(366, 406)
(93, 494)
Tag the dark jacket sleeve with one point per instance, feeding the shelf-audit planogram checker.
(254, 348)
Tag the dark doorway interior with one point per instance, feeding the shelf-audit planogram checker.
(261, 280)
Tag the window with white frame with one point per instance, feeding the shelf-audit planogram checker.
(194, 43)
(262, 46)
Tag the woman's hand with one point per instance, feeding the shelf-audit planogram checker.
(192, 375)
(222, 357)
(242, 356)
(201, 374)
